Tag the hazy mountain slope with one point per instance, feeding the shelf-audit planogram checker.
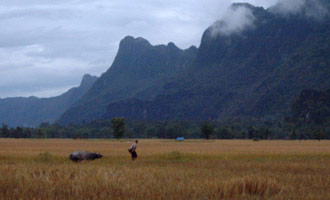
(256, 71)
(32, 111)
(139, 70)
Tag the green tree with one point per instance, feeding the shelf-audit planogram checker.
(151, 132)
(27, 133)
(251, 132)
(293, 135)
(105, 132)
(318, 134)
(4, 131)
(223, 133)
(130, 133)
(161, 130)
(17, 133)
(118, 126)
(207, 130)
(140, 129)
(40, 133)
(302, 136)
(174, 130)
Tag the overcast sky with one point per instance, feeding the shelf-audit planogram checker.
(46, 46)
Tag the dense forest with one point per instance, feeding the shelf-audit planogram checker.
(231, 129)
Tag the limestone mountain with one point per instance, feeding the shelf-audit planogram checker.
(140, 70)
(257, 70)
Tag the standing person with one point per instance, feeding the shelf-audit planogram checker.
(132, 150)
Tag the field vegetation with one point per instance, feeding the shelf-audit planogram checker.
(165, 169)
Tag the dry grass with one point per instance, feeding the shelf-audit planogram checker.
(196, 169)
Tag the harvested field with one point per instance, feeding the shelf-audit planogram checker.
(165, 169)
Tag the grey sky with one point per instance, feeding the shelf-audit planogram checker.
(46, 46)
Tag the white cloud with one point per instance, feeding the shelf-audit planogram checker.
(235, 20)
(292, 6)
(311, 8)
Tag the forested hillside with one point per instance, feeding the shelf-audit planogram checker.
(256, 72)
(139, 70)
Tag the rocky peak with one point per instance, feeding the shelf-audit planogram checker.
(130, 42)
(192, 49)
(87, 80)
(246, 5)
(171, 45)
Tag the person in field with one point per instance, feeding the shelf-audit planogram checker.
(132, 150)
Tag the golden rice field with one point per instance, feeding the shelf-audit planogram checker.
(194, 169)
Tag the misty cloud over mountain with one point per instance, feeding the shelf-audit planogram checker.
(311, 8)
(239, 16)
(235, 20)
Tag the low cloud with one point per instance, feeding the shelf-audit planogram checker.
(310, 8)
(234, 21)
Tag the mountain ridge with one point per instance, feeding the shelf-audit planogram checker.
(139, 70)
(255, 73)
(32, 111)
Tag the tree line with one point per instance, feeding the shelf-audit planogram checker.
(120, 128)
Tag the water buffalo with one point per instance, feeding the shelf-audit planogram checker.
(84, 155)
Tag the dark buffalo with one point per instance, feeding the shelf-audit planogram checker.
(84, 155)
